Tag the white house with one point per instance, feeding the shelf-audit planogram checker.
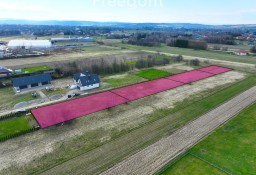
(241, 53)
(86, 81)
(5, 72)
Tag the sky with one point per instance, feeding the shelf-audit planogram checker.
(157, 11)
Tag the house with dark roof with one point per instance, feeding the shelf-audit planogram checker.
(86, 81)
(5, 72)
(29, 82)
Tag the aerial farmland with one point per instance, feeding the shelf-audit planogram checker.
(127, 98)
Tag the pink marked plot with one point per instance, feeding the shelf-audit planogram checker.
(190, 77)
(61, 112)
(215, 69)
(141, 90)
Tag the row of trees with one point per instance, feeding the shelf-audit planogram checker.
(109, 66)
(227, 39)
(253, 49)
(185, 43)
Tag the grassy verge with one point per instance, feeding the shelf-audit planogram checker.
(123, 80)
(190, 165)
(88, 153)
(36, 69)
(152, 74)
(9, 99)
(229, 149)
(13, 126)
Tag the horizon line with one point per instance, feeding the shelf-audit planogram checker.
(73, 20)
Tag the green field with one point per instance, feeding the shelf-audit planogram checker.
(230, 149)
(36, 69)
(152, 74)
(191, 52)
(13, 126)
(123, 80)
(190, 165)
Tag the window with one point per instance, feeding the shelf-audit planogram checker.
(45, 83)
(34, 85)
(23, 87)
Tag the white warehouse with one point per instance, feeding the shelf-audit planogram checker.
(29, 44)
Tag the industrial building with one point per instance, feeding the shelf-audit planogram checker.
(80, 39)
(29, 82)
(29, 44)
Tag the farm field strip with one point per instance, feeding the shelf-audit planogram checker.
(154, 157)
(65, 111)
(215, 69)
(231, 149)
(142, 90)
(62, 112)
(190, 77)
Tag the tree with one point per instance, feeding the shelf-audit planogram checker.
(253, 49)
(215, 47)
(200, 45)
(178, 58)
(195, 62)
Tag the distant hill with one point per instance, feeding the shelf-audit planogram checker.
(119, 24)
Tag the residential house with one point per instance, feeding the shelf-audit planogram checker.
(29, 82)
(86, 81)
(241, 53)
(5, 72)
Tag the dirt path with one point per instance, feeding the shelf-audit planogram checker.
(154, 157)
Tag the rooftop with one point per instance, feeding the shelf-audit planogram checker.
(87, 78)
(23, 81)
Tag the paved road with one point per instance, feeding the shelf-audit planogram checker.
(154, 157)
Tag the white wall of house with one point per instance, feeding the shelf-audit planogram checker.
(241, 54)
(84, 88)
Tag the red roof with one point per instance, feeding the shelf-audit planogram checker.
(241, 51)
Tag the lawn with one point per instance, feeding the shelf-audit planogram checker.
(13, 126)
(9, 99)
(190, 165)
(36, 69)
(152, 74)
(122, 80)
(231, 148)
